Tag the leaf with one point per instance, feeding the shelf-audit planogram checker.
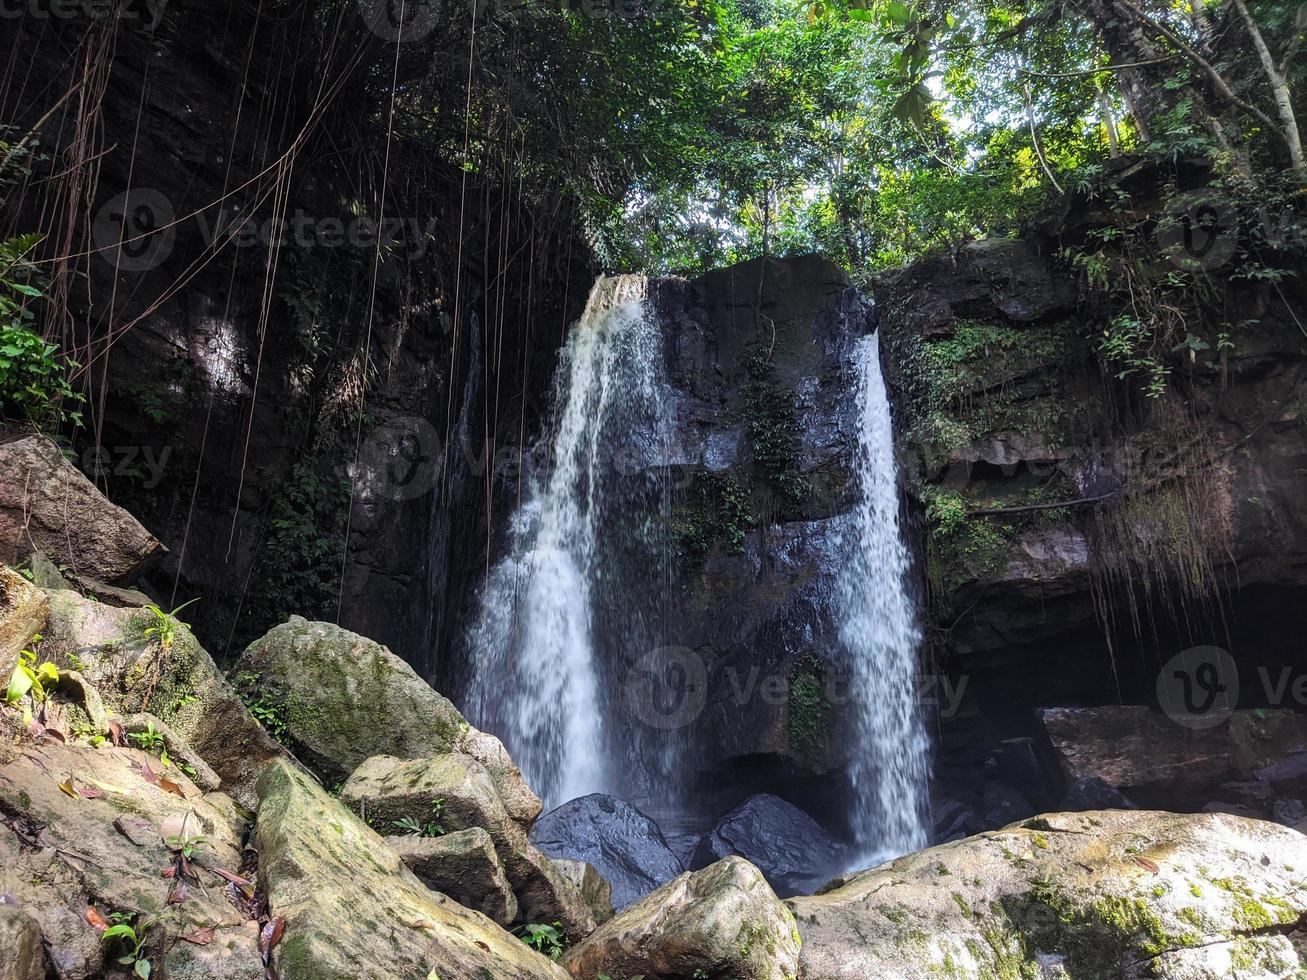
(270, 936)
(228, 876)
(143, 969)
(97, 921)
(20, 682)
(113, 932)
(168, 786)
(148, 774)
(179, 894)
(68, 787)
(116, 732)
(1147, 864)
(200, 937)
(139, 837)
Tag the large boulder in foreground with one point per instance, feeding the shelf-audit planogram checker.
(176, 681)
(23, 609)
(353, 910)
(790, 848)
(1123, 894)
(47, 505)
(464, 866)
(342, 698)
(723, 921)
(91, 828)
(624, 846)
(458, 793)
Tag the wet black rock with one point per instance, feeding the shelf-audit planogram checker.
(1094, 793)
(790, 848)
(623, 844)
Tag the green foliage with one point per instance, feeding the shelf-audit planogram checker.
(772, 427)
(546, 939)
(718, 511)
(130, 939)
(808, 707)
(431, 827)
(34, 383)
(268, 711)
(297, 571)
(151, 740)
(161, 627)
(31, 677)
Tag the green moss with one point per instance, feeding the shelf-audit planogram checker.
(772, 427)
(808, 707)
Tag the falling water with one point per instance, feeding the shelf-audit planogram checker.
(537, 680)
(878, 631)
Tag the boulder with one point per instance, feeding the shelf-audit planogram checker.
(87, 828)
(784, 843)
(597, 892)
(1159, 763)
(626, 847)
(1114, 893)
(353, 911)
(23, 609)
(178, 683)
(21, 955)
(47, 505)
(1094, 793)
(343, 698)
(723, 921)
(464, 866)
(457, 792)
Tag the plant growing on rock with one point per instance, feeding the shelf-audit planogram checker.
(30, 677)
(429, 828)
(132, 939)
(546, 939)
(161, 627)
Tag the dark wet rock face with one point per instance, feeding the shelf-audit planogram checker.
(787, 845)
(624, 846)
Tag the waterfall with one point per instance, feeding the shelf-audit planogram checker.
(890, 768)
(538, 682)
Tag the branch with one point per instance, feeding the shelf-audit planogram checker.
(1027, 508)
(1221, 86)
(1094, 71)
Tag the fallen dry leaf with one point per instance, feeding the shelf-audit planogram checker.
(179, 894)
(148, 774)
(116, 733)
(68, 787)
(97, 921)
(228, 876)
(200, 937)
(270, 936)
(168, 786)
(89, 793)
(136, 831)
(1147, 864)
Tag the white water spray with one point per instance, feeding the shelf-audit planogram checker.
(537, 680)
(891, 764)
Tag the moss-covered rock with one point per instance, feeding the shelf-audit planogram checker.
(1101, 894)
(353, 910)
(339, 698)
(723, 921)
(21, 955)
(464, 866)
(23, 609)
(87, 828)
(457, 792)
(177, 682)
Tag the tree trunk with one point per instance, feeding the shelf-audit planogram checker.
(1280, 88)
